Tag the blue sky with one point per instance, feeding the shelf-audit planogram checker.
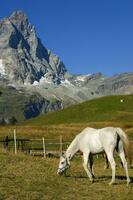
(88, 35)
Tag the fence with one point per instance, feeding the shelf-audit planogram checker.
(40, 147)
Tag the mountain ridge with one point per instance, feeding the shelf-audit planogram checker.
(28, 59)
(27, 65)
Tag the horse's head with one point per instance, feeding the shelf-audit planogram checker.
(64, 164)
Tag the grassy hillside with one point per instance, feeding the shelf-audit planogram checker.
(20, 103)
(108, 108)
(98, 113)
(13, 103)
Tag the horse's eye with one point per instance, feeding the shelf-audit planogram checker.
(62, 163)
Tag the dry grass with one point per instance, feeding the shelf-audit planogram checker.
(68, 131)
(24, 177)
(28, 178)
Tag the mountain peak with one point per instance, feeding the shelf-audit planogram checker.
(18, 15)
(22, 54)
(20, 20)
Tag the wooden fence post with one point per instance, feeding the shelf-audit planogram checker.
(44, 147)
(6, 143)
(15, 143)
(61, 145)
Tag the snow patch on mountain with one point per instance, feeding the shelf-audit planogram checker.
(2, 68)
(82, 77)
(66, 83)
(43, 80)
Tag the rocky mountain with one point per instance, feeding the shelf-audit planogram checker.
(23, 58)
(38, 79)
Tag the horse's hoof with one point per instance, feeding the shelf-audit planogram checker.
(93, 177)
(92, 180)
(128, 182)
(111, 183)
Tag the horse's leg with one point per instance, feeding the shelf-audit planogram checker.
(106, 165)
(91, 165)
(85, 165)
(131, 163)
(124, 162)
(112, 163)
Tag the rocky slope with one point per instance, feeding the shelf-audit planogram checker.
(21, 105)
(38, 79)
(23, 58)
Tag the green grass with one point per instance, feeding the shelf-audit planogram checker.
(23, 177)
(98, 110)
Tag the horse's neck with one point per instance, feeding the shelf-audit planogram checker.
(72, 149)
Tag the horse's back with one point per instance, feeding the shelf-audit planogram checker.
(102, 132)
(97, 140)
(88, 139)
(109, 129)
(109, 138)
(87, 130)
(108, 134)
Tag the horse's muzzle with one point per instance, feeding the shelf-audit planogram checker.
(59, 172)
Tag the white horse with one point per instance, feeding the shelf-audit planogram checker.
(93, 141)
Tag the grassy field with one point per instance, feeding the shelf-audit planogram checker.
(23, 177)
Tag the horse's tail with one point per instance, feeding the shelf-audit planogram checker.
(127, 147)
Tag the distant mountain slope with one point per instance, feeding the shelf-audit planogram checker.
(22, 105)
(27, 65)
(111, 108)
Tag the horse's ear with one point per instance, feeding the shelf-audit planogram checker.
(68, 159)
(63, 154)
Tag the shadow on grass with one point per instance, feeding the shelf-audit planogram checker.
(117, 177)
(78, 177)
(99, 178)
